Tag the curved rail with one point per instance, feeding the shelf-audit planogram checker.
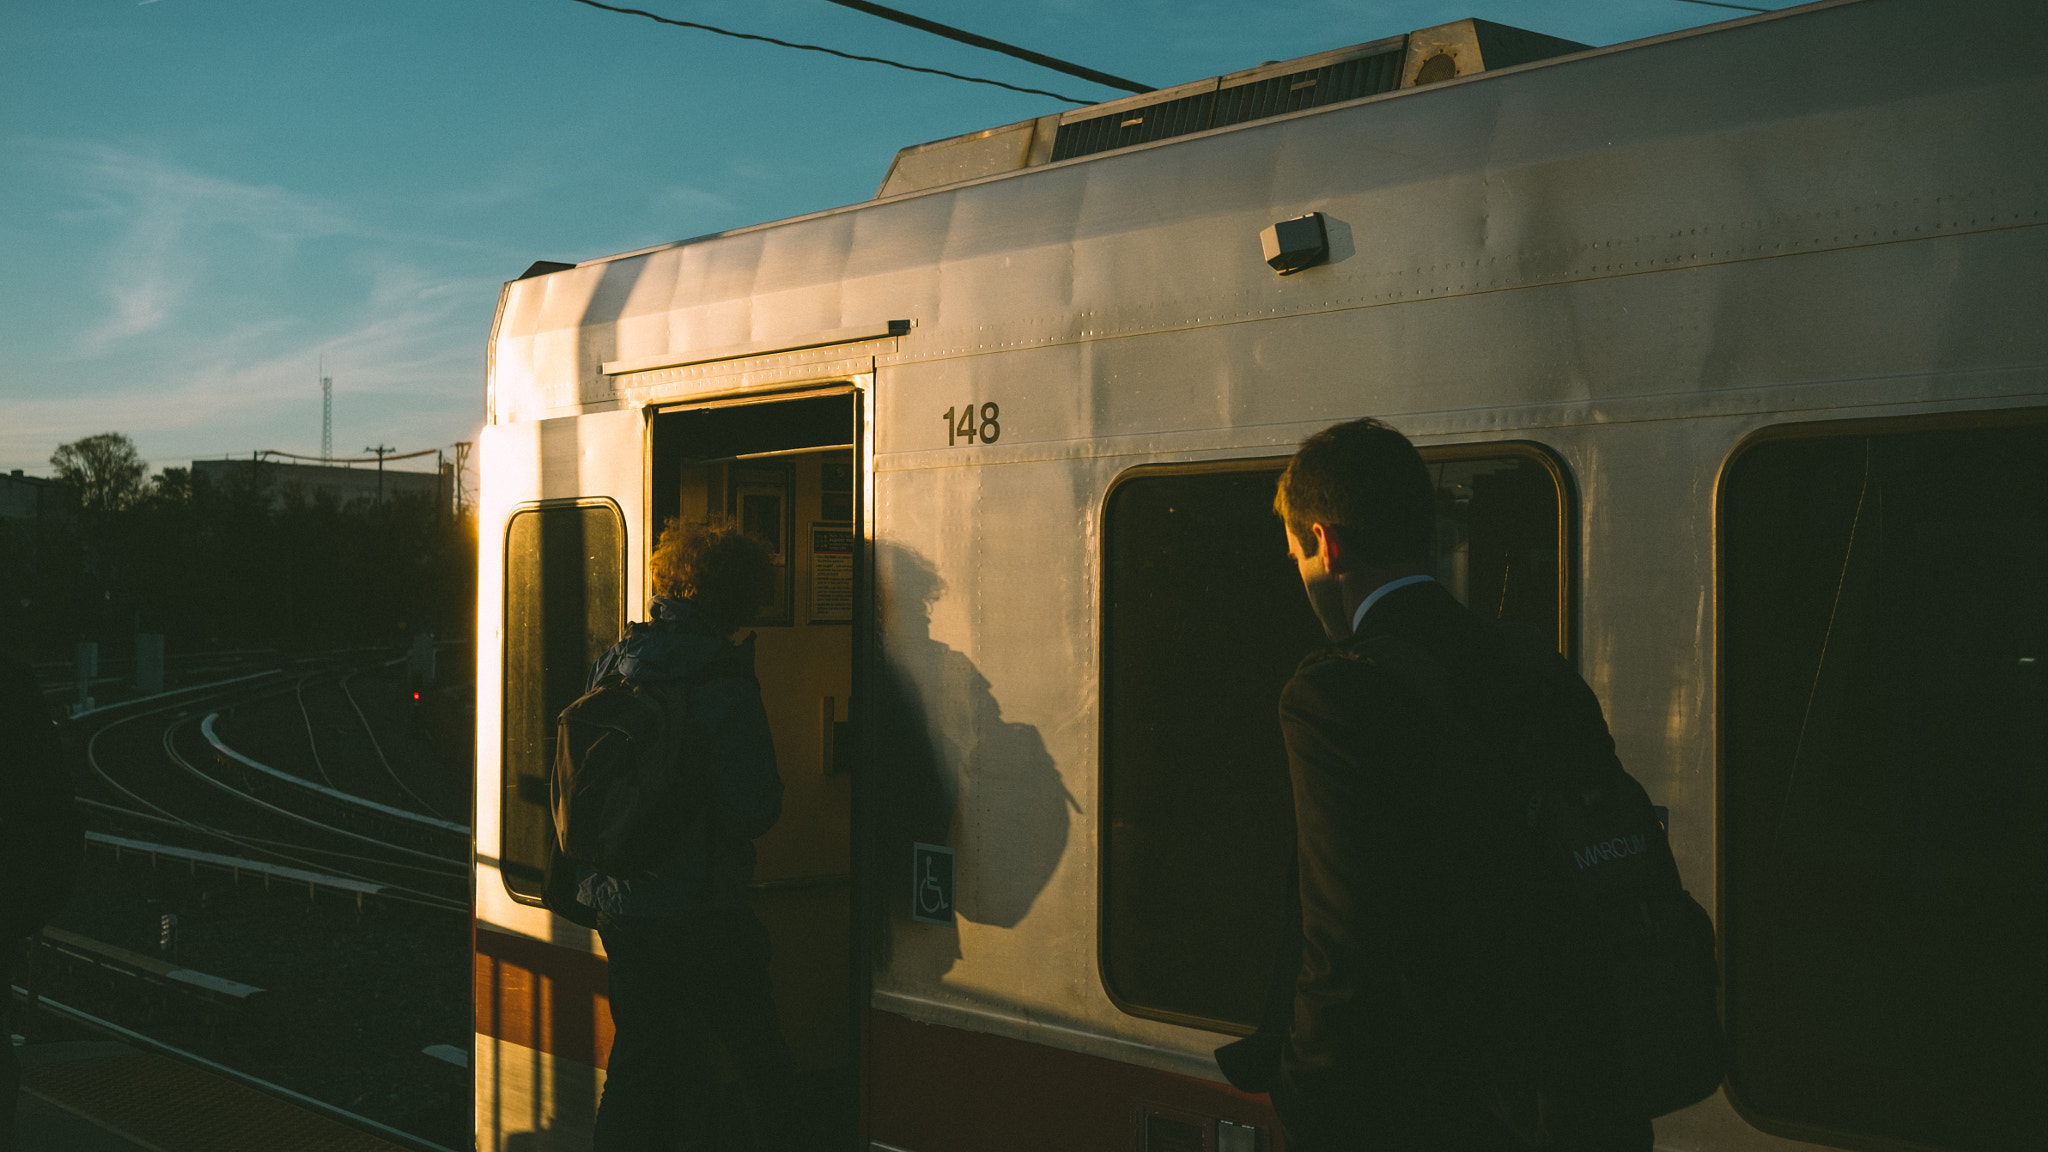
(260, 843)
(299, 691)
(171, 751)
(92, 761)
(174, 692)
(219, 745)
(378, 746)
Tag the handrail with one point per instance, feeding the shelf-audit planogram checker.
(149, 967)
(173, 692)
(239, 864)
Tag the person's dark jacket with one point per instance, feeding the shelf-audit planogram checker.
(713, 857)
(42, 837)
(1404, 1000)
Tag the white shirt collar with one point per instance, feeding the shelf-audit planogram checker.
(1358, 617)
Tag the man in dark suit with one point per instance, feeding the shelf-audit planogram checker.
(1407, 1029)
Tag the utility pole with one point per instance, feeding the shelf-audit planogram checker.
(380, 450)
(326, 417)
(462, 449)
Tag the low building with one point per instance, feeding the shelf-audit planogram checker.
(343, 484)
(34, 498)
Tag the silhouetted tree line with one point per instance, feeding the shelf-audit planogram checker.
(241, 563)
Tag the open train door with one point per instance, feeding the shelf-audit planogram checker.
(790, 468)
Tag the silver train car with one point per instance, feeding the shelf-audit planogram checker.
(1727, 349)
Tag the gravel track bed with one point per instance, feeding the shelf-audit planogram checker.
(349, 1000)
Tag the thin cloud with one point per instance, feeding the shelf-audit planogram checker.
(402, 375)
(688, 203)
(214, 299)
(170, 227)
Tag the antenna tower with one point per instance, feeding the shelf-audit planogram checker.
(326, 416)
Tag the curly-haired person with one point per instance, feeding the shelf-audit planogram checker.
(688, 960)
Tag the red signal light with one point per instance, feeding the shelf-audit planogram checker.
(415, 696)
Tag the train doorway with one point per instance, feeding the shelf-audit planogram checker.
(789, 470)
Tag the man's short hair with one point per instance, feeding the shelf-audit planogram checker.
(726, 573)
(1365, 479)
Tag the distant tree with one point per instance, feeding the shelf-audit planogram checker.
(105, 470)
(230, 563)
(171, 488)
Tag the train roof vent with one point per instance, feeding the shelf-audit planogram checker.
(1254, 94)
(1348, 79)
(1273, 89)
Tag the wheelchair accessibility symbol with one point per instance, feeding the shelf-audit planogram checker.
(931, 884)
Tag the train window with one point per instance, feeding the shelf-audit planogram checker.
(1499, 528)
(1204, 619)
(565, 603)
(1884, 908)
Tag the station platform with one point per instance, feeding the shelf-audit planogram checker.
(106, 1096)
(40, 1126)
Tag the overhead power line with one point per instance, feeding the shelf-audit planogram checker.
(387, 454)
(964, 37)
(828, 51)
(1737, 7)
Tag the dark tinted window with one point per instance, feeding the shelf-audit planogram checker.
(1497, 536)
(1885, 784)
(565, 602)
(1205, 619)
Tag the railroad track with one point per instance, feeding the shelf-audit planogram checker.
(160, 774)
(346, 995)
(210, 1087)
(342, 747)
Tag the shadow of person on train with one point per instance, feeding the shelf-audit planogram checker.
(949, 770)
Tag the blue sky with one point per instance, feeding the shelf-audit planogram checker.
(202, 199)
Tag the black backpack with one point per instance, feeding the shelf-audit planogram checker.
(1603, 991)
(625, 784)
(1630, 1015)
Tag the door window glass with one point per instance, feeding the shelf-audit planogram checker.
(565, 601)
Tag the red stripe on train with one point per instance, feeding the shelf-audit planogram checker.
(544, 996)
(939, 1089)
(928, 1088)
